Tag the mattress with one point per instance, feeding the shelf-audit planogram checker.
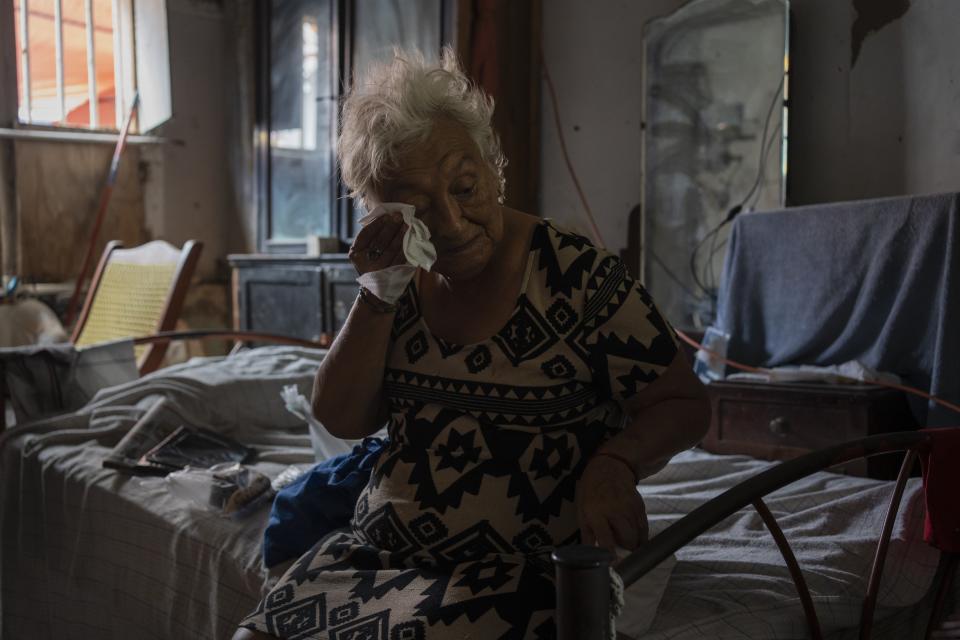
(90, 553)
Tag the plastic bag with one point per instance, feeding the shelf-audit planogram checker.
(325, 446)
(708, 366)
(229, 489)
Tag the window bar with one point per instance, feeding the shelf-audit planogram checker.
(25, 59)
(58, 58)
(91, 67)
(119, 104)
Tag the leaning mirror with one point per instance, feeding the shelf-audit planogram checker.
(714, 144)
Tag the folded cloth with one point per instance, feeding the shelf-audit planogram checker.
(837, 373)
(941, 477)
(43, 380)
(318, 502)
(389, 284)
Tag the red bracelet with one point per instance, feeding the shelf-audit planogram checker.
(617, 456)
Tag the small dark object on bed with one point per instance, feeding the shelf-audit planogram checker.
(144, 435)
(195, 447)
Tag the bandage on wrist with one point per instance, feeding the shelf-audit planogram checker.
(378, 305)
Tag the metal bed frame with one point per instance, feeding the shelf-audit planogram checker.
(583, 572)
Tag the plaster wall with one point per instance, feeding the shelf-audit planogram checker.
(885, 126)
(180, 190)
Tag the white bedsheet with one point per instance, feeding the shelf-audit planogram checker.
(731, 582)
(89, 553)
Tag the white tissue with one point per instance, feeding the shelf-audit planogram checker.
(389, 284)
(324, 445)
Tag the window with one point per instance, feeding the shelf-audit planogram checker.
(306, 50)
(80, 62)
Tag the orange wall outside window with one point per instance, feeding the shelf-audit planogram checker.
(43, 80)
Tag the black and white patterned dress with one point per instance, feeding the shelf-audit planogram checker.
(451, 537)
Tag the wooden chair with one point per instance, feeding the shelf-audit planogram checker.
(134, 292)
(137, 292)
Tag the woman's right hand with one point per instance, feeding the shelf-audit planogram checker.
(379, 244)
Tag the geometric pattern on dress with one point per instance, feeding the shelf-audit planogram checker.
(551, 244)
(607, 289)
(526, 335)
(478, 359)
(493, 573)
(456, 452)
(529, 591)
(558, 367)
(344, 613)
(489, 401)
(298, 619)
(417, 347)
(552, 463)
(447, 349)
(409, 630)
(386, 531)
(561, 315)
(618, 317)
(372, 627)
(641, 363)
(438, 486)
(428, 529)
(303, 570)
(408, 311)
(532, 539)
(476, 542)
(452, 535)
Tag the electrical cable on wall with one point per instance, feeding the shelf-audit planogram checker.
(730, 215)
(711, 236)
(563, 148)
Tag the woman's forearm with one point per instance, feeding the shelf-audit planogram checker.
(656, 433)
(669, 415)
(347, 397)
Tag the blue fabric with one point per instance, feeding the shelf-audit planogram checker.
(876, 281)
(318, 502)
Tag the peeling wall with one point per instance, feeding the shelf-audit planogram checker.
(58, 186)
(195, 200)
(595, 57)
(875, 97)
(190, 188)
(885, 126)
(197, 186)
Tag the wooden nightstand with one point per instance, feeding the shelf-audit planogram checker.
(779, 421)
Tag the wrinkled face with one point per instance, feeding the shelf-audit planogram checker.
(455, 194)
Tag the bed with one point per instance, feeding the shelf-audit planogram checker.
(90, 553)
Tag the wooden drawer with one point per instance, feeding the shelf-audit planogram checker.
(780, 424)
(783, 421)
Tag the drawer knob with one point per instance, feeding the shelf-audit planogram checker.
(779, 426)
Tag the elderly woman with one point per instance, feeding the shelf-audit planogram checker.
(528, 383)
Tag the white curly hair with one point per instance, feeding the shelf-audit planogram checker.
(395, 104)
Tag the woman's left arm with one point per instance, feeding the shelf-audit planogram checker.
(670, 415)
